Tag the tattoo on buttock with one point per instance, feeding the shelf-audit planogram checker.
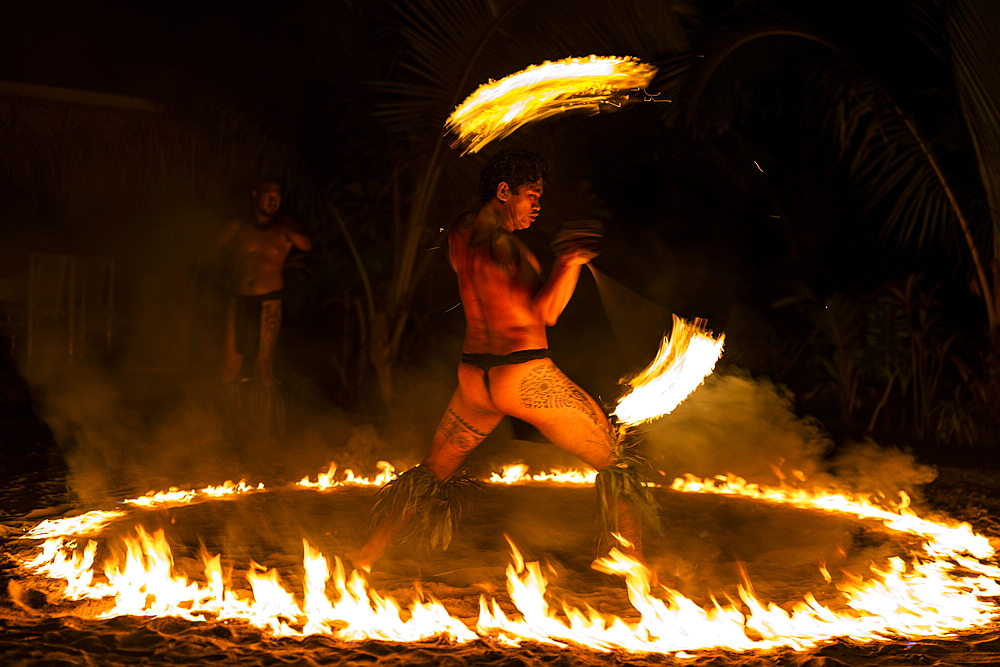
(546, 387)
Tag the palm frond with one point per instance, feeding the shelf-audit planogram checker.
(456, 45)
(885, 152)
(973, 30)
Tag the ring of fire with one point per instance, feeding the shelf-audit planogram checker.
(944, 589)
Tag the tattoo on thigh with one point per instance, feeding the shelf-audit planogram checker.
(272, 320)
(459, 432)
(468, 427)
(547, 387)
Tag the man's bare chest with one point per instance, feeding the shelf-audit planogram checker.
(268, 242)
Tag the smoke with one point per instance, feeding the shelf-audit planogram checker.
(739, 424)
(748, 426)
(144, 413)
(868, 468)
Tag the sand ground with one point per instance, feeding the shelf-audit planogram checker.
(706, 541)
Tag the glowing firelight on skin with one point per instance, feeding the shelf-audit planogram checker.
(497, 108)
(944, 589)
(685, 359)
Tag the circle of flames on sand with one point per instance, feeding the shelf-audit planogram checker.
(942, 590)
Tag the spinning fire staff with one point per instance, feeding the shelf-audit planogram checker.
(506, 370)
(259, 248)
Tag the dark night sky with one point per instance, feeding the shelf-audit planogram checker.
(276, 63)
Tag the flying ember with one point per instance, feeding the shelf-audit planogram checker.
(497, 108)
(685, 359)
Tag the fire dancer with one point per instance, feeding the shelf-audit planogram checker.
(259, 247)
(506, 368)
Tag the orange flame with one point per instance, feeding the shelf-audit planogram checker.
(947, 587)
(174, 496)
(518, 474)
(327, 480)
(497, 108)
(685, 359)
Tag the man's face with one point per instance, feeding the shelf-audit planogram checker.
(267, 198)
(521, 207)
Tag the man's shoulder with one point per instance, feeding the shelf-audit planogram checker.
(462, 225)
(464, 220)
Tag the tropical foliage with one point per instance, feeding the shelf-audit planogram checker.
(883, 356)
(882, 145)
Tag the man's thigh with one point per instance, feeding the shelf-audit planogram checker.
(539, 393)
(270, 324)
(468, 419)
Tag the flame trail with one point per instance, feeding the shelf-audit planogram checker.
(497, 108)
(685, 359)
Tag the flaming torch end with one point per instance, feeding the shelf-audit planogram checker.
(685, 359)
(497, 108)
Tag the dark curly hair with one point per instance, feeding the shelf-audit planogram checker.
(515, 167)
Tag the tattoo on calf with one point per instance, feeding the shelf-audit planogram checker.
(547, 387)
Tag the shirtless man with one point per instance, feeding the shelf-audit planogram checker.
(505, 368)
(259, 248)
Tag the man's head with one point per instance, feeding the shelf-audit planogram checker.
(267, 197)
(514, 180)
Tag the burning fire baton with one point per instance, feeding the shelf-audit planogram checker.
(497, 108)
(686, 356)
(685, 359)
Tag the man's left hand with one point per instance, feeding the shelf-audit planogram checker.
(577, 246)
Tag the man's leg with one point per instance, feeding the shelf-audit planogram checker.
(266, 409)
(270, 323)
(539, 393)
(468, 419)
(232, 360)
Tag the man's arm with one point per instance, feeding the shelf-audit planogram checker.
(227, 234)
(551, 300)
(295, 235)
